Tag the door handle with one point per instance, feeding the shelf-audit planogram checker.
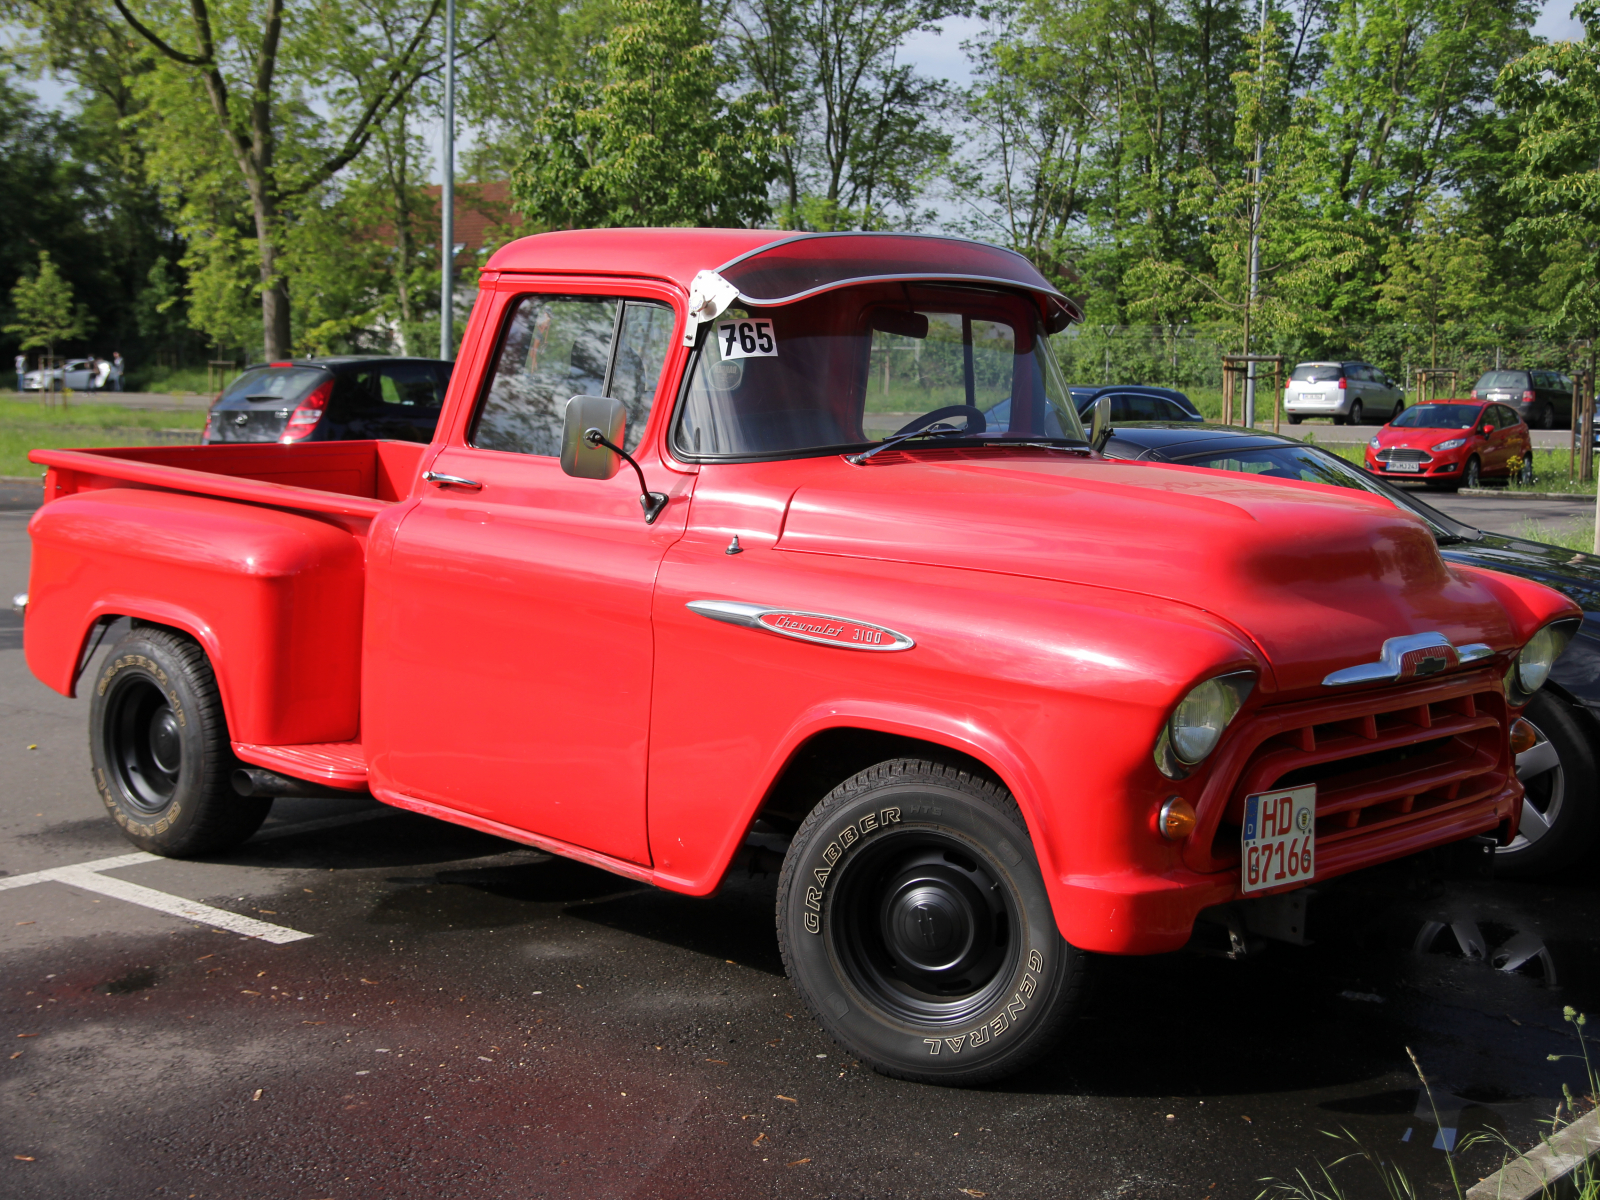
(439, 480)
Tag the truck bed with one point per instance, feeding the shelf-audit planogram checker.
(350, 479)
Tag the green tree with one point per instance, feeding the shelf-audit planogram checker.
(1554, 90)
(266, 103)
(1439, 275)
(861, 132)
(45, 310)
(653, 141)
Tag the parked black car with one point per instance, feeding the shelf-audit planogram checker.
(331, 399)
(1541, 398)
(1561, 811)
(1137, 402)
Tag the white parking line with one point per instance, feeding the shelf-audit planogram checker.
(87, 876)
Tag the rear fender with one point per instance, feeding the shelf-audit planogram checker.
(274, 597)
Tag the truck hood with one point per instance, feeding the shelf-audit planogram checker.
(1316, 577)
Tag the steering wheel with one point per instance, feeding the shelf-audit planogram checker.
(974, 416)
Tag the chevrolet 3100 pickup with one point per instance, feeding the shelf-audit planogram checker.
(734, 542)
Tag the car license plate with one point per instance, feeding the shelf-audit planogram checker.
(1404, 466)
(1280, 829)
(1319, 397)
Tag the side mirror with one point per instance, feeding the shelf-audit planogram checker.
(585, 459)
(1100, 424)
(1487, 430)
(591, 447)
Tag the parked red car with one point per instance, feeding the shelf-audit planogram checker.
(740, 548)
(1453, 444)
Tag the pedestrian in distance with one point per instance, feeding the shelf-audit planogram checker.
(116, 371)
(22, 369)
(102, 372)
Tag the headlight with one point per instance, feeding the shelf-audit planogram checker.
(1373, 443)
(1532, 667)
(1198, 723)
(1452, 444)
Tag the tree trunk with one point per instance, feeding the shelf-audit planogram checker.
(276, 339)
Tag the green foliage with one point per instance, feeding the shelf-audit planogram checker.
(652, 141)
(45, 310)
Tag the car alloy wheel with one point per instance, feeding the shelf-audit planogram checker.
(1559, 804)
(1471, 475)
(1546, 418)
(1399, 407)
(1357, 413)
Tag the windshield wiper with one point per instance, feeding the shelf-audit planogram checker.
(937, 429)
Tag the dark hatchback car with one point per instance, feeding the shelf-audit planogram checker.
(1541, 398)
(1137, 402)
(1561, 810)
(331, 399)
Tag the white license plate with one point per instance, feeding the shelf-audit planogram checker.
(1404, 466)
(1280, 831)
(1315, 397)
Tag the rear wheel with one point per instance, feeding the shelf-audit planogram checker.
(160, 748)
(1560, 813)
(1357, 413)
(1399, 407)
(914, 922)
(1295, 418)
(1545, 418)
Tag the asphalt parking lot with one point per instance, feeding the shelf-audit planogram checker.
(367, 1003)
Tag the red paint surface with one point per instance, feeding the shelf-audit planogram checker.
(520, 658)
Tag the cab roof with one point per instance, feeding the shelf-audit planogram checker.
(765, 267)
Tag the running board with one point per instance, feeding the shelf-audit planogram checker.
(340, 765)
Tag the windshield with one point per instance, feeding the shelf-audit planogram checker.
(1439, 416)
(1317, 372)
(851, 367)
(1311, 465)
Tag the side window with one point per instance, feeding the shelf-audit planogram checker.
(558, 347)
(1172, 411)
(1508, 418)
(410, 385)
(553, 348)
(642, 345)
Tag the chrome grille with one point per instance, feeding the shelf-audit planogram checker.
(1403, 454)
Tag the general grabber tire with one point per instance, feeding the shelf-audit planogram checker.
(160, 748)
(914, 921)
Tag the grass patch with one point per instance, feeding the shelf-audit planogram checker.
(27, 425)
(1577, 537)
(177, 381)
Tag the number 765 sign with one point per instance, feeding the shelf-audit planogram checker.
(747, 339)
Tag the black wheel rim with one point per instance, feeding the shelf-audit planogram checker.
(923, 926)
(144, 745)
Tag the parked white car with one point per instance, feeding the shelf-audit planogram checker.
(1350, 392)
(78, 374)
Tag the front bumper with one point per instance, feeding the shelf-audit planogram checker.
(1399, 770)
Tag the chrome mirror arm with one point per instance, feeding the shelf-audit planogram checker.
(651, 502)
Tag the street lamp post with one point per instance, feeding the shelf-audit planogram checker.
(447, 191)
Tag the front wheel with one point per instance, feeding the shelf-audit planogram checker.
(914, 922)
(160, 749)
(1472, 473)
(1295, 418)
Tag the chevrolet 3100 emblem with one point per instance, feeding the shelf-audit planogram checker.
(821, 628)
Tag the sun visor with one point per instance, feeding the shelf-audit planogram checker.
(795, 268)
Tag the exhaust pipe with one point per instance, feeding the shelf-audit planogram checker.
(258, 781)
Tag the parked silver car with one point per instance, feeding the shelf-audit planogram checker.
(1350, 392)
(77, 374)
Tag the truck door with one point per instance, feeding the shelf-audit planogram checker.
(511, 676)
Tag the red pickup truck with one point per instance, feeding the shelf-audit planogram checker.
(738, 544)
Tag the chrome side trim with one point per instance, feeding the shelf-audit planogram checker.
(1414, 656)
(822, 629)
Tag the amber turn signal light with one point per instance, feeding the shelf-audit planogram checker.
(1177, 819)
(1523, 736)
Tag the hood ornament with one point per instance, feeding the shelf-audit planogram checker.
(1414, 656)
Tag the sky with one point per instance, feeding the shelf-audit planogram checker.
(937, 54)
